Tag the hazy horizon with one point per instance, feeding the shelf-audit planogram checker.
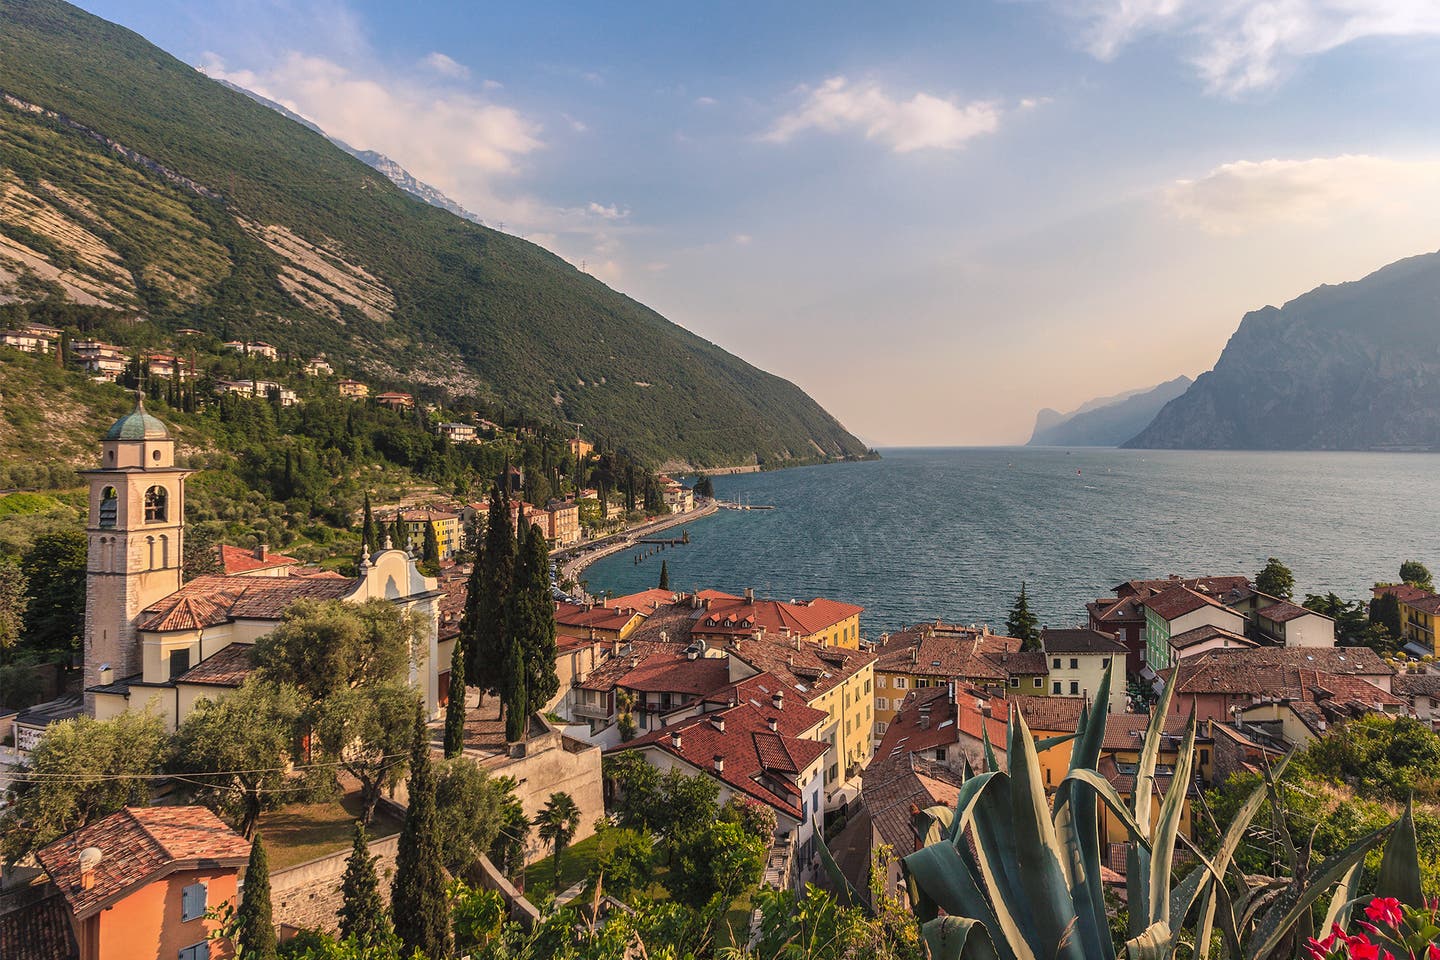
(936, 220)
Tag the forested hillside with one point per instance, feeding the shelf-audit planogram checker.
(131, 180)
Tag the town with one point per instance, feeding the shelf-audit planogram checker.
(273, 752)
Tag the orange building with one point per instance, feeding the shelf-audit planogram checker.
(139, 883)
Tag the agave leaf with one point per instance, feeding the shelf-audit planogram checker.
(1167, 826)
(1047, 900)
(997, 859)
(1045, 743)
(845, 891)
(1150, 753)
(1112, 799)
(1155, 943)
(1183, 897)
(1400, 866)
(933, 824)
(1137, 883)
(941, 879)
(1206, 923)
(1294, 899)
(958, 938)
(991, 764)
(969, 794)
(1077, 826)
(1344, 900)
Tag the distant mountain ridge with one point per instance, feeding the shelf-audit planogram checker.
(398, 175)
(1105, 421)
(1354, 366)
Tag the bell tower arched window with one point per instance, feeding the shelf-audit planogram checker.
(155, 505)
(109, 507)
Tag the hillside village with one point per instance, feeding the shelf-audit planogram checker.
(786, 710)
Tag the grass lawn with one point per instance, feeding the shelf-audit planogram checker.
(303, 831)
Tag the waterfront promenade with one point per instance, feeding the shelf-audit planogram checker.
(574, 560)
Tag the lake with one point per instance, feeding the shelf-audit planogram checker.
(951, 533)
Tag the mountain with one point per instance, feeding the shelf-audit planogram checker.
(398, 175)
(1106, 422)
(129, 179)
(1348, 367)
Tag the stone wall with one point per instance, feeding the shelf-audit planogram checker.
(555, 764)
(307, 896)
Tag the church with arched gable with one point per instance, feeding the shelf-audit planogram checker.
(155, 642)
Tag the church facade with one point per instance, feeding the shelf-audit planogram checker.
(154, 642)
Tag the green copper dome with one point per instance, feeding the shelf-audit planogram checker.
(138, 425)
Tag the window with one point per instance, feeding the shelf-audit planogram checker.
(834, 775)
(1039, 683)
(1105, 663)
(179, 663)
(1074, 688)
(880, 682)
(155, 502)
(882, 703)
(939, 753)
(196, 951)
(192, 898)
(867, 686)
(109, 507)
(1014, 681)
(1074, 663)
(899, 683)
(922, 682)
(1055, 664)
(1056, 689)
(1204, 757)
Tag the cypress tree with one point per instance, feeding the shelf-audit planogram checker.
(430, 555)
(530, 621)
(455, 708)
(369, 536)
(494, 577)
(417, 902)
(1021, 623)
(362, 916)
(664, 576)
(254, 928)
(512, 693)
(399, 538)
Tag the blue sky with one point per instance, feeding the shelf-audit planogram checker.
(935, 217)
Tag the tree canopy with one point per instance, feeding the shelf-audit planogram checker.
(1276, 580)
(323, 647)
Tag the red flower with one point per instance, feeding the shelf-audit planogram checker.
(1433, 953)
(1363, 951)
(1385, 910)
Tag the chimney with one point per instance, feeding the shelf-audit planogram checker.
(914, 654)
(90, 858)
(951, 685)
(773, 724)
(260, 551)
(777, 699)
(675, 739)
(984, 708)
(719, 721)
(107, 674)
(719, 763)
(749, 594)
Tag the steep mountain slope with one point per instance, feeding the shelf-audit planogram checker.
(1111, 423)
(128, 178)
(1348, 367)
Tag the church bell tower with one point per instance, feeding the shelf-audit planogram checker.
(135, 532)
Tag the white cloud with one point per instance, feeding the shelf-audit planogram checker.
(1243, 45)
(578, 126)
(447, 67)
(705, 101)
(922, 122)
(607, 212)
(741, 239)
(1030, 103)
(1248, 195)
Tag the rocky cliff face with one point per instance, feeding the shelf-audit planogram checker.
(1106, 423)
(1348, 367)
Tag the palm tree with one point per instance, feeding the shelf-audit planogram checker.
(558, 823)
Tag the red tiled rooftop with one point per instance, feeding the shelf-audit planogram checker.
(138, 845)
(1178, 601)
(1285, 611)
(210, 600)
(235, 560)
(228, 668)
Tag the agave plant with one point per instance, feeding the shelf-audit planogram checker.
(1008, 874)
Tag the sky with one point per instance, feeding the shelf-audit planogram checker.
(935, 217)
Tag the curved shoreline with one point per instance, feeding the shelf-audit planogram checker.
(574, 565)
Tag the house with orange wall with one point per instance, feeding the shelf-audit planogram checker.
(140, 883)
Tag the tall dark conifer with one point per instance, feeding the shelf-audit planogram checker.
(399, 536)
(455, 708)
(368, 534)
(485, 646)
(512, 693)
(1022, 623)
(362, 914)
(530, 621)
(254, 925)
(430, 555)
(417, 902)
(664, 583)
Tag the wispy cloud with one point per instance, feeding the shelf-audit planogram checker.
(607, 211)
(1243, 45)
(922, 121)
(446, 67)
(1248, 195)
(705, 101)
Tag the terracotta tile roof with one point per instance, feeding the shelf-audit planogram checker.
(1202, 634)
(645, 600)
(760, 762)
(1258, 671)
(1080, 641)
(1222, 587)
(236, 560)
(1417, 685)
(1285, 611)
(971, 655)
(1052, 715)
(926, 720)
(579, 616)
(1422, 600)
(892, 787)
(1126, 731)
(139, 845)
(452, 606)
(807, 668)
(39, 931)
(227, 668)
(1113, 610)
(210, 600)
(728, 616)
(1178, 601)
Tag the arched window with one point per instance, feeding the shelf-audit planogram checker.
(155, 499)
(150, 546)
(109, 506)
(164, 552)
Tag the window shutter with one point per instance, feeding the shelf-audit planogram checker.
(192, 902)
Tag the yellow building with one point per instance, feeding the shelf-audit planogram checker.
(448, 532)
(1419, 610)
(935, 654)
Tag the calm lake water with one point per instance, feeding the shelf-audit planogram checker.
(951, 533)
